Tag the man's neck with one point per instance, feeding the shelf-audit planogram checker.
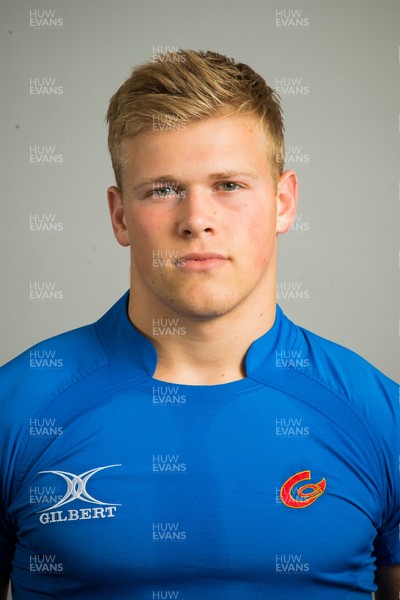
(204, 352)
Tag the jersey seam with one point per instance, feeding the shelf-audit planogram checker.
(346, 401)
(137, 382)
(356, 412)
(78, 377)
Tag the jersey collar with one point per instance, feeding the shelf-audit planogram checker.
(127, 347)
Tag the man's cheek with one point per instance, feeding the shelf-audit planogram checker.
(143, 228)
(260, 246)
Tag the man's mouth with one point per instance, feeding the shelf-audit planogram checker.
(200, 261)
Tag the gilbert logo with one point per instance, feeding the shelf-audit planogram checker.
(76, 490)
(300, 497)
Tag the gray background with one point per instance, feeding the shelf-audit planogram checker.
(346, 55)
(344, 255)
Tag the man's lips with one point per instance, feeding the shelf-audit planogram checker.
(202, 256)
(200, 261)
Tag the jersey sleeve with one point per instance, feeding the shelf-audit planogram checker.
(9, 445)
(27, 386)
(387, 429)
(6, 546)
(386, 546)
(375, 398)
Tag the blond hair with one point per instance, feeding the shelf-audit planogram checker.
(186, 86)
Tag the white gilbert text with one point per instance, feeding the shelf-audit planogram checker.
(81, 514)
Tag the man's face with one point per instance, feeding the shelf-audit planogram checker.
(199, 212)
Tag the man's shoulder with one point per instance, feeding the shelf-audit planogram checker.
(343, 387)
(307, 353)
(50, 366)
(352, 379)
(337, 365)
(79, 344)
(320, 372)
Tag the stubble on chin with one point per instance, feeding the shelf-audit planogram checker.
(202, 308)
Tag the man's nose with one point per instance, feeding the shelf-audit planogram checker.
(197, 213)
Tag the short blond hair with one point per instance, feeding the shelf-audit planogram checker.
(187, 86)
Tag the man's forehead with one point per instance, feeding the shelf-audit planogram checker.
(233, 123)
(218, 147)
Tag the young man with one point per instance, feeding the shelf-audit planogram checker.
(195, 443)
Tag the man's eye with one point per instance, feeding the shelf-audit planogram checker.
(162, 192)
(229, 186)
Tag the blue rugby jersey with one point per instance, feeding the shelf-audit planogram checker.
(116, 485)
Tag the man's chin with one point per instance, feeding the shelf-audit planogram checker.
(202, 311)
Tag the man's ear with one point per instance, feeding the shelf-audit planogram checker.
(286, 201)
(117, 215)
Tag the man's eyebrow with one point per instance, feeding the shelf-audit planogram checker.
(156, 179)
(234, 173)
(213, 176)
